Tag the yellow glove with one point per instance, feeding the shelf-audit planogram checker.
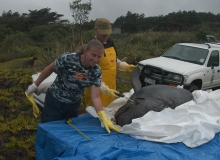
(36, 111)
(106, 90)
(130, 67)
(123, 66)
(106, 122)
(112, 93)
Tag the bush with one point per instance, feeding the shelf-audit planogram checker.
(87, 35)
(202, 32)
(136, 39)
(29, 51)
(38, 33)
(16, 42)
(4, 31)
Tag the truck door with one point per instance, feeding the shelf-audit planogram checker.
(212, 77)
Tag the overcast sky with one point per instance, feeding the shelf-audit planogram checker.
(112, 9)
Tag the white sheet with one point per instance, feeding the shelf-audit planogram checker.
(193, 123)
(42, 88)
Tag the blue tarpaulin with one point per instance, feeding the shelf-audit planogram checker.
(59, 141)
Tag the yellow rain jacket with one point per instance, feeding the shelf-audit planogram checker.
(108, 66)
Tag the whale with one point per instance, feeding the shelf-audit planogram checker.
(150, 98)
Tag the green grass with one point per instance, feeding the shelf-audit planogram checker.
(18, 125)
(15, 64)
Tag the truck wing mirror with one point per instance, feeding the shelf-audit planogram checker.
(214, 64)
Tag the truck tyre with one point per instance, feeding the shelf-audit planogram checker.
(193, 87)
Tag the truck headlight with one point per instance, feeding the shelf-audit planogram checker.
(175, 78)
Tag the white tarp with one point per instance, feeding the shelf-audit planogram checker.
(193, 123)
(42, 88)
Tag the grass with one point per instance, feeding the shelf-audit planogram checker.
(16, 63)
(18, 125)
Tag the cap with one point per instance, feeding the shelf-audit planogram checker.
(103, 26)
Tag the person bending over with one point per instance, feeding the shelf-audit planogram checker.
(75, 72)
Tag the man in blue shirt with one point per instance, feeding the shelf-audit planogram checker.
(75, 72)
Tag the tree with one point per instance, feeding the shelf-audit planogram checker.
(4, 31)
(13, 21)
(80, 13)
(42, 17)
(119, 21)
(26, 22)
(131, 22)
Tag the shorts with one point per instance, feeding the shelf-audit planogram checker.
(55, 110)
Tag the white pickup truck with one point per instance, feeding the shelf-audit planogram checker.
(193, 66)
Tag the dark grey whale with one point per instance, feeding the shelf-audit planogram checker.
(150, 98)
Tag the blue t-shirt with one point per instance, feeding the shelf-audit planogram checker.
(72, 78)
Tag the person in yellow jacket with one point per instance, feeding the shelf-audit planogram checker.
(108, 63)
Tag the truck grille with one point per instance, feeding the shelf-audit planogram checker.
(159, 75)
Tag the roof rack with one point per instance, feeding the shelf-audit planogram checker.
(211, 38)
(197, 43)
(190, 42)
(208, 45)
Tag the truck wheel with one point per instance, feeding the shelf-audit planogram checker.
(193, 87)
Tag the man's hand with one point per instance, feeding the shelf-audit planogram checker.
(31, 89)
(106, 90)
(130, 67)
(106, 122)
(113, 93)
(123, 66)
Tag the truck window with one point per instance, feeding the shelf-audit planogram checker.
(214, 57)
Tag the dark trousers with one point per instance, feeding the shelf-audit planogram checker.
(55, 110)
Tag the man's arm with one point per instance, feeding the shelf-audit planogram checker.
(45, 73)
(96, 100)
(97, 103)
(123, 66)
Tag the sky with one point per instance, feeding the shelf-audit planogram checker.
(112, 9)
